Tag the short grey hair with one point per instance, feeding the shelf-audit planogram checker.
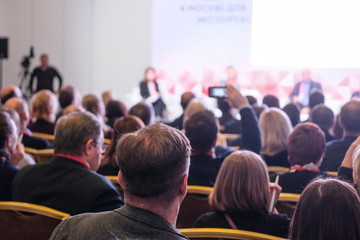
(74, 130)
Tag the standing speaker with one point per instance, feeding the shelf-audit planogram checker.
(4, 47)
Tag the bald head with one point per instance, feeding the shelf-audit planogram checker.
(350, 117)
(186, 98)
(20, 106)
(8, 92)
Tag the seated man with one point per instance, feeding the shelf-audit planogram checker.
(202, 129)
(154, 164)
(69, 182)
(8, 92)
(21, 107)
(324, 117)
(336, 149)
(185, 99)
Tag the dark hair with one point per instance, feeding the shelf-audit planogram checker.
(327, 209)
(350, 116)
(258, 109)
(322, 116)
(251, 99)
(201, 129)
(66, 97)
(271, 101)
(186, 98)
(143, 111)
(306, 144)
(114, 108)
(293, 111)
(121, 126)
(74, 130)
(6, 128)
(316, 98)
(153, 161)
(6, 97)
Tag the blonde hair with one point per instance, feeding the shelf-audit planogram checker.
(275, 128)
(44, 105)
(242, 184)
(356, 166)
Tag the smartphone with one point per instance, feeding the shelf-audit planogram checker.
(218, 92)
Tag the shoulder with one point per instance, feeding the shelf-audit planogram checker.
(211, 219)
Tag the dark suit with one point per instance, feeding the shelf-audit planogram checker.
(295, 182)
(32, 141)
(7, 174)
(335, 152)
(125, 223)
(204, 167)
(313, 86)
(42, 126)
(177, 123)
(66, 185)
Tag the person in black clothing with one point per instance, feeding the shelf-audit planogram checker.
(45, 76)
(185, 99)
(324, 117)
(202, 128)
(240, 198)
(11, 153)
(229, 123)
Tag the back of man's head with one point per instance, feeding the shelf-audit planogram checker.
(316, 98)
(153, 161)
(21, 107)
(293, 111)
(94, 104)
(8, 92)
(73, 131)
(201, 129)
(66, 96)
(350, 116)
(322, 116)
(186, 98)
(143, 111)
(271, 101)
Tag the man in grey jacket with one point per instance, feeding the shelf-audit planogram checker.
(154, 164)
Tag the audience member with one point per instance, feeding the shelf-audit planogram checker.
(69, 182)
(195, 105)
(336, 149)
(144, 111)
(241, 196)
(201, 130)
(229, 123)
(293, 112)
(338, 130)
(94, 104)
(258, 109)
(186, 97)
(271, 101)
(21, 107)
(122, 125)
(68, 95)
(153, 164)
(327, 209)
(252, 100)
(11, 153)
(43, 110)
(108, 96)
(316, 97)
(275, 128)
(306, 146)
(324, 117)
(8, 92)
(114, 110)
(73, 108)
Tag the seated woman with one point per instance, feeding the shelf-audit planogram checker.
(43, 110)
(241, 196)
(11, 153)
(306, 147)
(114, 110)
(123, 125)
(327, 209)
(275, 128)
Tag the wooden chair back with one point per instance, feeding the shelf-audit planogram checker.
(41, 155)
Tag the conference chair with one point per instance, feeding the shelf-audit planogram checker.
(28, 221)
(287, 203)
(277, 169)
(194, 205)
(48, 137)
(40, 155)
(223, 233)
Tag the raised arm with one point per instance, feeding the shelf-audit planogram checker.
(251, 138)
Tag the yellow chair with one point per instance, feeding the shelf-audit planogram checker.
(42, 155)
(48, 137)
(332, 173)
(193, 189)
(289, 197)
(277, 169)
(28, 221)
(221, 233)
(107, 141)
